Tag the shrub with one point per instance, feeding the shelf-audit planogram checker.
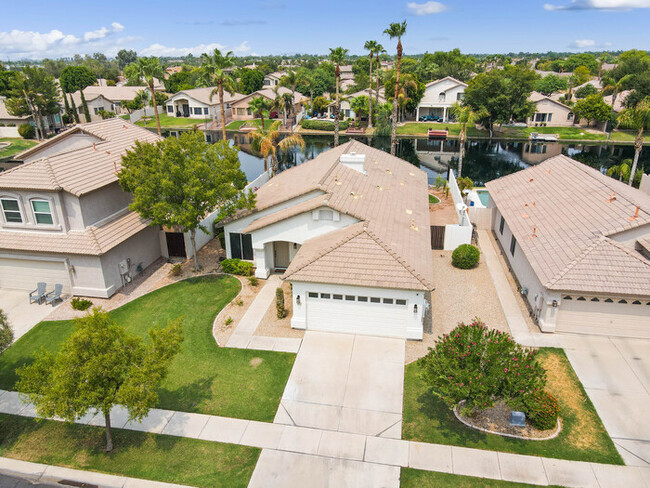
(542, 410)
(176, 270)
(439, 182)
(229, 321)
(239, 302)
(26, 131)
(253, 280)
(465, 256)
(237, 267)
(79, 303)
(6, 334)
(279, 303)
(323, 124)
(481, 366)
(465, 183)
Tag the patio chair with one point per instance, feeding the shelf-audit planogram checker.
(38, 294)
(55, 295)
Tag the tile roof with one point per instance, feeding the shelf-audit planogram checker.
(94, 240)
(4, 114)
(270, 94)
(561, 211)
(112, 93)
(81, 170)
(390, 200)
(203, 95)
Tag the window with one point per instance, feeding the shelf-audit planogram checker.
(313, 295)
(198, 110)
(241, 246)
(325, 295)
(513, 244)
(569, 116)
(42, 212)
(550, 116)
(595, 299)
(388, 301)
(325, 215)
(582, 299)
(11, 210)
(636, 302)
(362, 299)
(205, 111)
(337, 297)
(567, 298)
(501, 224)
(375, 300)
(170, 109)
(460, 96)
(609, 300)
(350, 298)
(96, 109)
(400, 302)
(622, 301)
(442, 97)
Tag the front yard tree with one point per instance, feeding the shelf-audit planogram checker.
(592, 108)
(260, 106)
(75, 78)
(551, 84)
(146, 70)
(179, 181)
(396, 30)
(6, 334)
(638, 119)
(98, 367)
(337, 56)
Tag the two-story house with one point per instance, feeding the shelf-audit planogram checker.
(65, 219)
(439, 96)
(273, 79)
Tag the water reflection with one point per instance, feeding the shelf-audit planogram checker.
(484, 160)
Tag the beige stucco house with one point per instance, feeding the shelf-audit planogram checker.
(549, 112)
(198, 103)
(106, 98)
(273, 79)
(52, 123)
(346, 109)
(242, 111)
(578, 243)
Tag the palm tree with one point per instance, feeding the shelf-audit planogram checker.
(614, 86)
(215, 70)
(282, 102)
(260, 106)
(620, 171)
(289, 80)
(360, 105)
(638, 119)
(337, 55)
(371, 46)
(379, 50)
(396, 30)
(268, 142)
(464, 115)
(407, 83)
(146, 70)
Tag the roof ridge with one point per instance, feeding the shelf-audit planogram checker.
(585, 252)
(399, 259)
(628, 251)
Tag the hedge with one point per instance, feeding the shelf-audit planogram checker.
(237, 267)
(26, 131)
(542, 410)
(323, 125)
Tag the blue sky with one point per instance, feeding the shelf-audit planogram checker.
(45, 28)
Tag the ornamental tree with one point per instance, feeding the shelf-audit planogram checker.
(179, 181)
(6, 334)
(481, 366)
(98, 367)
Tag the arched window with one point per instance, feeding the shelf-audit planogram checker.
(636, 302)
(582, 299)
(595, 299)
(609, 300)
(622, 300)
(567, 298)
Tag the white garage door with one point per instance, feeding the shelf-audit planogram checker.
(604, 318)
(369, 315)
(23, 274)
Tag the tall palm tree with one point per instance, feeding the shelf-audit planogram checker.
(396, 30)
(337, 56)
(464, 115)
(283, 102)
(638, 119)
(620, 171)
(379, 50)
(406, 85)
(268, 142)
(615, 86)
(260, 106)
(215, 70)
(289, 80)
(146, 70)
(371, 47)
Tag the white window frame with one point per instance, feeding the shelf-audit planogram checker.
(4, 211)
(35, 213)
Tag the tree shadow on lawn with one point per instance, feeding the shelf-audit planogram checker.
(188, 397)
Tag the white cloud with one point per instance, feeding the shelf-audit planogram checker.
(582, 43)
(34, 45)
(168, 51)
(600, 5)
(427, 8)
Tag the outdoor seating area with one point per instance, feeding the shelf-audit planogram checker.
(41, 295)
(430, 118)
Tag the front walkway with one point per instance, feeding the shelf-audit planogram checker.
(614, 371)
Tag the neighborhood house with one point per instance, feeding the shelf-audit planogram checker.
(200, 103)
(350, 231)
(439, 96)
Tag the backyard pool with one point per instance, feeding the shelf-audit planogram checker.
(484, 196)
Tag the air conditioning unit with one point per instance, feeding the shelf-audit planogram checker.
(125, 265)
(524, 291)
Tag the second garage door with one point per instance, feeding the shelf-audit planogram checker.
(355, 314)
(24, 274)
(604, 318)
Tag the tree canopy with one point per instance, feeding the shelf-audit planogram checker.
(441, 64)
(251, 80)
(593, 108)
(551, 84)
(98, 367)
(125, 57)
(6, 333)
(75, 78)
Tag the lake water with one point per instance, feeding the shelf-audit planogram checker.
(483, 161)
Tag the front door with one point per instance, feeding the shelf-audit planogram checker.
(281, 255)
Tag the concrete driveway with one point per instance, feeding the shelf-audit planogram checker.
(346, 383)
(22, 316)
(615, 371)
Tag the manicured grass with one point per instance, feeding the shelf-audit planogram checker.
(583, 437)
(236, 124)
(413, 478)
(421, 128)
(136, 454)
(169, 121)
(572, 133)
(203, 378)
(124, 116)
(433, 199)
(627, 136)
(17, 145)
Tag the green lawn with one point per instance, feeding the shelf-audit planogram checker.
(433, 199)
(203, 378)
(627, 136)
(136, 454)
(413, 478)
(169, 121)
(421, 128)
(17, 145)
(236, 124)
(569, 133)
(583, 437)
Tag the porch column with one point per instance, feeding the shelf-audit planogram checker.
(444, 114)
(417, 114)
(263, 258)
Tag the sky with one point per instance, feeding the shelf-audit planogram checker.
(46, 28)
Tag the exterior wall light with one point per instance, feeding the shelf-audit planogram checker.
(415, 308)
(554, 303)
(297, 299)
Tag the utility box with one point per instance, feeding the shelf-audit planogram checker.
(518, 419)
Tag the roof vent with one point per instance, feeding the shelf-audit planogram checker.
(354, 161)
